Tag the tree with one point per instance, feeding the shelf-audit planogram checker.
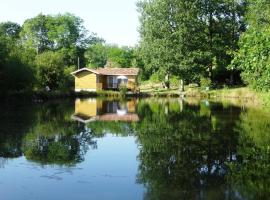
(34, 33)
(15, 71)
(121, 56)
(10, 29)
(189, 38)
(64, 32)
(223, 24)
(253, 57)
(99, 53)
(96, 55)
(50, 69)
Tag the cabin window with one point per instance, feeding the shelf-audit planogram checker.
(112, 107)
(122, 81)
(112, 82)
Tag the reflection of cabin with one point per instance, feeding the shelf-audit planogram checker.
(87, 110)
(105, 79)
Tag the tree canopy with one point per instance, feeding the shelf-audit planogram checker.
(189, 38)
(253, 57)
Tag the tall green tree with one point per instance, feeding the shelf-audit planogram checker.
(34, 33)
(50, 69)
(10, 29)
(16, 73)
(223, 24)
(64, 32)
(96, 55)
(253, 57)
(189, 38)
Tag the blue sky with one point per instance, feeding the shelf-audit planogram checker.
(114, 20)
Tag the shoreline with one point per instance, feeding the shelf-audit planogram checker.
(244, 95)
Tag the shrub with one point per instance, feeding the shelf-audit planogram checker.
(174, 81)
(205, 82)
(123, 89)
(155, 78)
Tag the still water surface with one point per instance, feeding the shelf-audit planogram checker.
(151, 149)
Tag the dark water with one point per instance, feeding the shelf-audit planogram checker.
(149, 149)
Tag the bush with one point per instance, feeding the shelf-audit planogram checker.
(123, 90)
(174, 81)
(155, 78)
(205, 82)
(50, 67)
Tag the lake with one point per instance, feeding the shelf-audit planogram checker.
(134, 149)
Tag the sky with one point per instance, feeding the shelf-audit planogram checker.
(114, 20)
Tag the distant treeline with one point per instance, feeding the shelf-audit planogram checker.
(47, 48)
(209, 42)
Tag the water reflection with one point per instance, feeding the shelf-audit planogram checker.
(185, 149)
(184, 152)
(87, 110)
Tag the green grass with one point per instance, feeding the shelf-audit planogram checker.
(236, 94)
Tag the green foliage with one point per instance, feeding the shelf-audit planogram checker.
(123, 90)
(121, 56)
(96, 55)
(189, 44)
(50, 69)
(205, 82)
(253, 57)
(16, 73)
(10, 29)
(174, 81)
(99, 54)
(155, 78)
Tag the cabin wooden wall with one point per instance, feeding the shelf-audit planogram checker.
(132, 82)
(85, 80)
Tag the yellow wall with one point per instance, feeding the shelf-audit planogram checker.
(86, 107)
(85, 81)
(132, 82)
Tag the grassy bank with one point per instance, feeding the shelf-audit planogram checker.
(241, 95)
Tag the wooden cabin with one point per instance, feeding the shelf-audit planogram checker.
(105, 79)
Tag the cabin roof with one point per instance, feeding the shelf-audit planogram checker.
(82, 70)
(110, 71)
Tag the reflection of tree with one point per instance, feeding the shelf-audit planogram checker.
(181, 155)
(101, 128)
(250, 174)
(55, 139)
(15, 120)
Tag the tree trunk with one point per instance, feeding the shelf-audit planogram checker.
(231, 78)
(167, 81)
(181, 85)
(210, 29)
